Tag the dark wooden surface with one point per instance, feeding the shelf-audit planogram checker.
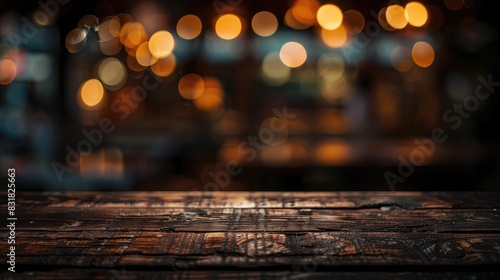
(254, 235)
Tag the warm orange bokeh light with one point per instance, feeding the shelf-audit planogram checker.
(164, 66)
(189, 27)
(423, 54)
(8, 71)
(334, 38)
(191, 86)
(143, 56)
(228, 26)
(353, 21)
(395, 15)
(91, 92)
(161, 44)
(416, 14)
(329, 16)
(264, 23)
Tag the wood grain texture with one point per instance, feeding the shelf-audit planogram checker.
(255, 235)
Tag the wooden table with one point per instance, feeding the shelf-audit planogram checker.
(254, 235)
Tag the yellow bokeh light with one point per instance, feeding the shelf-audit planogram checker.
(211, 99)
(416, 14)
(395, 15)
(274, 72)
(264, 23)
(423, 54)
(293, 23)
(164, 66)
(329, 16)
(191, 86)
(334, 38)
(189, 27)
(161, 44)
(112, 73)
(143, 56)
(8, 71)
(228, 26)
(293, 54)
(91, 92)
(136, 35)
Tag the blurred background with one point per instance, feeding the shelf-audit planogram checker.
(297, 95)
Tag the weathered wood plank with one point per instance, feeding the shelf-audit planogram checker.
(298, 272)
(237, 249)
(262, 219)
(408, 200)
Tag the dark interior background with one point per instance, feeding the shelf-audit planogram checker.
(351, 142)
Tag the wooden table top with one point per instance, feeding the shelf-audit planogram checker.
(253, 235)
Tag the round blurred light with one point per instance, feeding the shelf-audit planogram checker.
(112, 73)
(353, 21)
(416, 14)
(91, 92)
(191, 86)
(143, 56)
(75, 40)
(329, 16)
(382, 20)
(292, 22)
(110, 28)
(423, 54)
(304, 11)
(164, 66)
(264, 24)
(395, 15)
(401, 59)
(228, 26)
(189, 27)
(134, 65)
(454, 4)
(293, 54)
(211, 99)
(331, 66)
(334, 38)
(274, 72)
(8, 71)
(161, 44)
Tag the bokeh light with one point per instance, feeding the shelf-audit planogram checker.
(228, 26)
(401, 59)
(329, 16)
(191, 86)
(353, 21)
(264, 23)
(91, 93)
(395, 15)
(189, 27)
(423, 54)
(143, 56)
(416, 14)
(8, 71)
(293, 54)
(334, 38)
(212, 97)
(304, 11)
(164, 66)
(331, 66)
(161, 44)
(274, 72)
(112, 73)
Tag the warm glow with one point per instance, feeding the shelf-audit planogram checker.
(331, 66)
(274, 72)
(144, 57)
(189, 27)
(264, 24)
(228, 27)
(273, 131)
(401, 59)
(395, 15)
(329, 16)
(112, 73)
(8, 71)
(416, 14)
(211, 99)
(423, 54)
(136, 35)
(304, 11)
(353, 21)
(191, 86)
(134, 65)
(334, 38)
(293, 54)
(292, 22)
(91, 92)
(382, 20)
(164, 66)
(332, 152)
(161, 44)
